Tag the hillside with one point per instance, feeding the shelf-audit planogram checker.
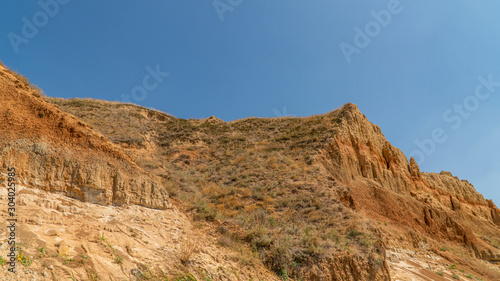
(113, 190)
(85, 209)
(324, 197)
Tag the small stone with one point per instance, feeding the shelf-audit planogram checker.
(136, 272)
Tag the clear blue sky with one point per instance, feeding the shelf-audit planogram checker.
(282, 57)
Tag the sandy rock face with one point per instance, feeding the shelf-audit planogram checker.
(349, 267)
(360, 152)
(54, 151)
(382, 181)
(81, 240)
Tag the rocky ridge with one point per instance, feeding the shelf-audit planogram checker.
(383, 181)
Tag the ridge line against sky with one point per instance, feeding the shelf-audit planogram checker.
(406, 64)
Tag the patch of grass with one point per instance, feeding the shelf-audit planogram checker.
(73, 276)
(27, 82)
(493, 242)
(118, 260)
(185, 277)
(454, 276)
(440, 273)
(53, 275)
(453, 266)
(225, 241)
(283, 274)
(187, 249)
(24, 260)
(106, 242)
(91, 274)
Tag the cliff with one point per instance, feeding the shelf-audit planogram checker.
(383, 182)
(54, 151)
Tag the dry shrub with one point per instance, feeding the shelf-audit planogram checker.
(280, 256)
(226, 241)
(188, 248)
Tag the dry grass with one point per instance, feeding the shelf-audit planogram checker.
(187, 249)
(24, 80)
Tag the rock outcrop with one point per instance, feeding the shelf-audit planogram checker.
(350, 267)
(382, 182)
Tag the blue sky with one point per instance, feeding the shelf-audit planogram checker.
(282, 57)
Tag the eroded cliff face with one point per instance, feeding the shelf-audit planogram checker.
(344, 266)
(54, 151)
(381, 182)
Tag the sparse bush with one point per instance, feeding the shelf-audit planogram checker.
(24, 260)
(204, 211)
(280, 256)
(187, 249)
(118, 260)
(309, 159)
(151, 165)
(263, 241)
(353, 233)
(225, 241)
(260, 217)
